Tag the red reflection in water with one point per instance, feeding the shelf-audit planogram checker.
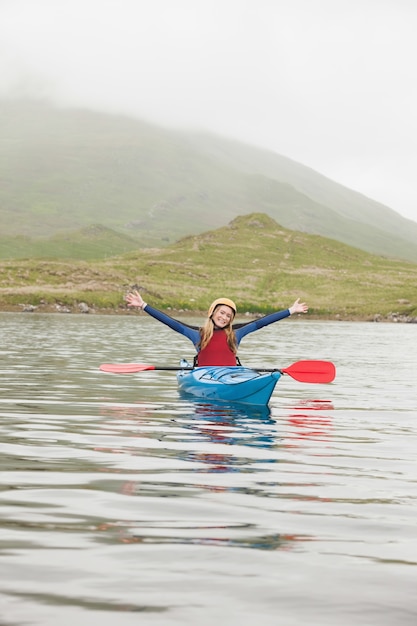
(308, 425)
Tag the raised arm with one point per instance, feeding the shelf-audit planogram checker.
(135, 299)
(249, 327)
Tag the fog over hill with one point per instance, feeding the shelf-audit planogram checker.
(62, 170)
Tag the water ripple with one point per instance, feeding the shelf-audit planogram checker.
(118, 497)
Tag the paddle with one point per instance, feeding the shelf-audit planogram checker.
(303, 371)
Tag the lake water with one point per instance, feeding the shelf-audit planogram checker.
(123, 503)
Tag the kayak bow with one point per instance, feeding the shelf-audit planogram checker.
(232, 384)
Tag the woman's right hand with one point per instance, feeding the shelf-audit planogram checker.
(133, 298)
(298, 307)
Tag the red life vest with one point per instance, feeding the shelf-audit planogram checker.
(217, 352)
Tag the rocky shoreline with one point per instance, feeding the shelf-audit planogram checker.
(84, 309)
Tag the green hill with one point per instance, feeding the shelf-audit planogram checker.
(64, 170)
(253, 260)
(92, 242)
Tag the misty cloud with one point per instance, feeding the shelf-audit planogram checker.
(327, 83)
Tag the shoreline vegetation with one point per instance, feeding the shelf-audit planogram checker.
(262, 266)
(82, 309)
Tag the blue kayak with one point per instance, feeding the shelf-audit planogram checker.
(230, 384)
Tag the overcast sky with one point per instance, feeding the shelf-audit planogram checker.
(331, 84)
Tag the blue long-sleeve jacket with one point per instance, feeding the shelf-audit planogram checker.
(193, 332)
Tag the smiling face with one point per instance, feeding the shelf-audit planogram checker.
(223, 316)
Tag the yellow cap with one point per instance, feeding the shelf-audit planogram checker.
(219, 301)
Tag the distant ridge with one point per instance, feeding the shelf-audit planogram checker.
(89, 243)
(63, 170)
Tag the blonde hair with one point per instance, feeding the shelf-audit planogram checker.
(206, 333)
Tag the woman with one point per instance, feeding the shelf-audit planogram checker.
(218, 340)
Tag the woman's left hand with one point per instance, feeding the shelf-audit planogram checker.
(135, 299)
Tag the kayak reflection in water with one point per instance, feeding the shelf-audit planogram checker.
(217, 341)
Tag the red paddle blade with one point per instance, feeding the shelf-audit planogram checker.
(312, 371)
(125, 368)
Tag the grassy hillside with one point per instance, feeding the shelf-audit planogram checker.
(91, 242)
(65, 170)
(253, 260)
(320, 189)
